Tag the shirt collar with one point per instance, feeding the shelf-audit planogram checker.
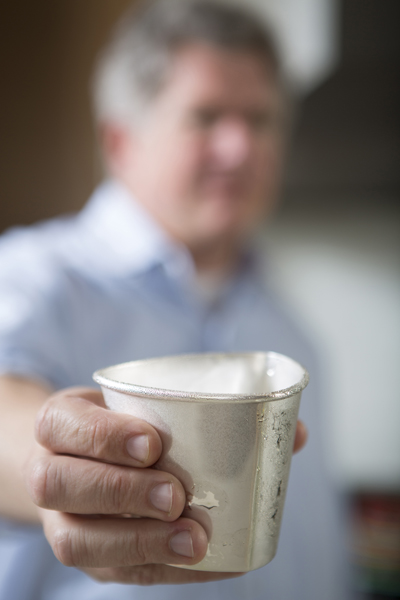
(125, 239)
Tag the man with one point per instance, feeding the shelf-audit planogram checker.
(190, 107)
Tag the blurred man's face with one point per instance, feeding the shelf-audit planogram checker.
(206, 157)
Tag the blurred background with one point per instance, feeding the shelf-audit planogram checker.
(334, 241)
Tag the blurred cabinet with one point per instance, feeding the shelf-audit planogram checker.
(47, 146)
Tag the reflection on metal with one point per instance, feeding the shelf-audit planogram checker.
(227, 425)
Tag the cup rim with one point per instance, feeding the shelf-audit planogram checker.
(103, 380)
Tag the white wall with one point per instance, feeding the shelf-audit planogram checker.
(341, 273)
(308, 35)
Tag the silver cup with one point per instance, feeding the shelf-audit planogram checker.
(227, 423)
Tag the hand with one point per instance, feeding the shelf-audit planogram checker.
(300, 438)
(90, 472)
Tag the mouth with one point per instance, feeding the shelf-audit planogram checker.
(227, 184)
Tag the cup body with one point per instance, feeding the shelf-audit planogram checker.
(227, 423)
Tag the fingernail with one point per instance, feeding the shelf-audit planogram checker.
(161, 497)
(138, 447)
(182, 544)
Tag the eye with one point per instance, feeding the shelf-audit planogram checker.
(263, 121)
(205, 118)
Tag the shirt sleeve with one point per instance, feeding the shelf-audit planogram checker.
(33, 340)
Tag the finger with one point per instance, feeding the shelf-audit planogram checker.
(155, 575)
(301, 436)
(80, 486)
(88, 393)
(81, 542)
(79, 425)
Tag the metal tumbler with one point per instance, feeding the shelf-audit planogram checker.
(227, 424)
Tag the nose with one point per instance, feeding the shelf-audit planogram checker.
(231, 143)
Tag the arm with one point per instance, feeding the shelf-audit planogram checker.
(20, 401)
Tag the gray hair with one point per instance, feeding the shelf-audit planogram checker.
(133, 67)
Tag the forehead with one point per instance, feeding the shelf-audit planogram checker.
(203, 74)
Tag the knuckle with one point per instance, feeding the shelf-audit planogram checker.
(144, 576)
(140, 549)
(116, 490)
(97, 433)
(41, 482)
(44, 423)
(140, 575)
(98, 436)
(64, 547)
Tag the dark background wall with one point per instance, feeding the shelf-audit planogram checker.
(47, 146)
(347, 141)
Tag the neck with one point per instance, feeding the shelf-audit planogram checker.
(219, 258)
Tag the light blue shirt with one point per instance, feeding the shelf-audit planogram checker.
(108, 286)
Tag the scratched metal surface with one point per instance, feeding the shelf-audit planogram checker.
(233, 457)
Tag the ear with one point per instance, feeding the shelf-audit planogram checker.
(118, 145)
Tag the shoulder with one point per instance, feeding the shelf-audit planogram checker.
(33, 256)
